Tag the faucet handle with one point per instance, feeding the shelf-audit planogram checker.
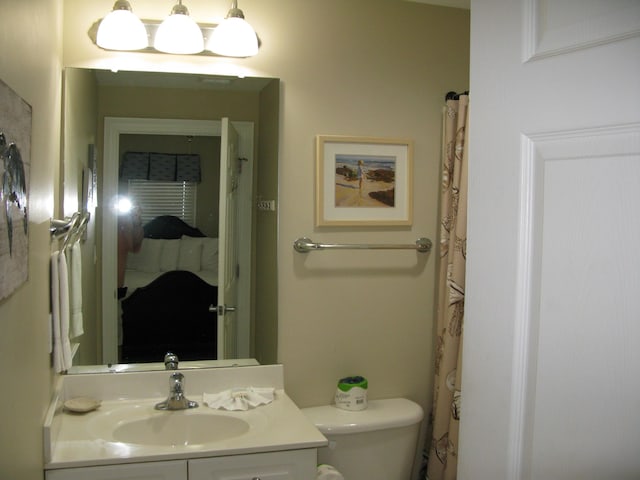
(170, 361)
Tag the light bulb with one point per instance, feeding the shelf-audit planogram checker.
(234, 37)
(121, 29)
(179, 33)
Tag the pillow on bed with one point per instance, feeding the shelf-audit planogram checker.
(209, 259)
(190, 253)
(148, 258)
(169, 256)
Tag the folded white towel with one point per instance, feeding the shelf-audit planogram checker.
(239, 398)
(75, 287)
(60, 312)
(65, 315)
(55, 314)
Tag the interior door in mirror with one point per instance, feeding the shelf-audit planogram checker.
(228, 229)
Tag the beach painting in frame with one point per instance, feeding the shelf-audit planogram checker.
(15, 150)
(363, 181)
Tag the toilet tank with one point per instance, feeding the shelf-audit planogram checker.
(378, 443)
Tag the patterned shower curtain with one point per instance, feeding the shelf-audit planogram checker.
(443, 452)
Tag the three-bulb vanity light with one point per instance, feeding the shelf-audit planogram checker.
(121, 29)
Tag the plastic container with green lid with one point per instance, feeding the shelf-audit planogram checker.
(351, 393)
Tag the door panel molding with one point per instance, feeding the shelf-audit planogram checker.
(549, 29)
(538, 151)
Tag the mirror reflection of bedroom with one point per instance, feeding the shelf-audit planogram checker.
(168, 246)
(171, 115)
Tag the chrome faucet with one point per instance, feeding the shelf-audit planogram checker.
(170, 361)
(176, 399)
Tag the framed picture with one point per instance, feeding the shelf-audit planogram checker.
(363, 181)
(15, 171)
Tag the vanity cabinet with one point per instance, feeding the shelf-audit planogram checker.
(283, 465)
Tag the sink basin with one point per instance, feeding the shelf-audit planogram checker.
(142, 425)
(180, 429)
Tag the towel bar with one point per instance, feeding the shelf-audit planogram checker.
(305, 245)
(70, 227)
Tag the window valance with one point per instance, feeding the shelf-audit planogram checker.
(160, 167)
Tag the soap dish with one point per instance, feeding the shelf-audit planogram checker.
(81, 404)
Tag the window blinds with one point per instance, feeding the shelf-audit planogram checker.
(164, 198)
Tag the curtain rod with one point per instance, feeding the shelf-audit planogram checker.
(454, 96)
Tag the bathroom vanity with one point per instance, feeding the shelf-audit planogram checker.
(284, 465)
(127, 438)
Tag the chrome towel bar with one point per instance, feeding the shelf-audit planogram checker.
(69, 228)
(305, 245)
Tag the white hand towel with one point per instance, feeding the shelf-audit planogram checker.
(77, 328)
(55, 313)
(63, 275)
(239, 398)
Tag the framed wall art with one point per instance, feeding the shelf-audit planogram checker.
(15, 150)
(363, 181)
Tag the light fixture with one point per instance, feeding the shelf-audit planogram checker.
(121, 29)
(234, 37)
(179, 33)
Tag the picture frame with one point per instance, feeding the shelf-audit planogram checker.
(363, 181)
(15, 170)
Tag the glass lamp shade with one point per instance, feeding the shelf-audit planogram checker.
(179, 34)
(122, 30)
(234, 37)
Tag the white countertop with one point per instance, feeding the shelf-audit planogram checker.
(70, 441)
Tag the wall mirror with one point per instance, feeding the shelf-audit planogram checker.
(120, 128)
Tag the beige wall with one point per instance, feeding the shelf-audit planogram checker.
(362, 67)
(31, 64)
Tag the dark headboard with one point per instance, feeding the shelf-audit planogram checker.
(169, 227)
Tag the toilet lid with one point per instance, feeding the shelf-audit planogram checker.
(379, 415)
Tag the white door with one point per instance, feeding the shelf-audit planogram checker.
(551, 356)
(228, 242)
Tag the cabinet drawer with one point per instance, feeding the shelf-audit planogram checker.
(173, 470)
(289, 465)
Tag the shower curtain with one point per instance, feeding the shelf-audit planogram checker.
(443, 452)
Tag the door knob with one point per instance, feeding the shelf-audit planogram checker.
(221, 310)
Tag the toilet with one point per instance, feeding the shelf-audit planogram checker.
(378, 443)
